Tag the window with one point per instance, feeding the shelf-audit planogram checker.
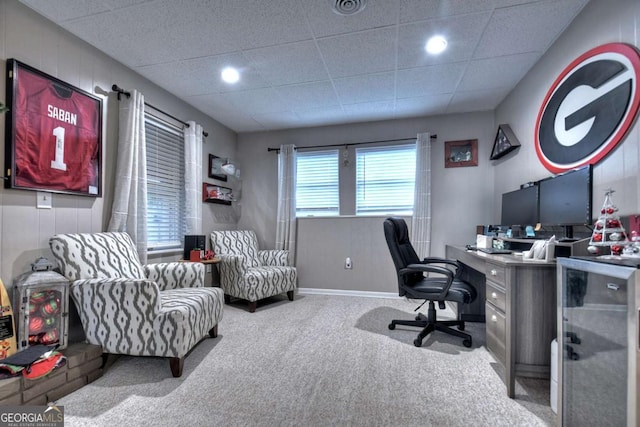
(317, 185)
(385, 180)
(165, 184)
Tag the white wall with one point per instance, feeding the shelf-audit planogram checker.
(461, 197)
(599, 22)
(25, 230)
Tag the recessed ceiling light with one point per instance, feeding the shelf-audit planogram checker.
(436, 45)
(230, 75)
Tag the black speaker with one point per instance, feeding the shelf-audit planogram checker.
(192, 242)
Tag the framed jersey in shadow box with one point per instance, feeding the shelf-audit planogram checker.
(504, 143)
(54, 134)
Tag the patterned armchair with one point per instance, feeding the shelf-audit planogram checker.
(249, 273)
(127, 308)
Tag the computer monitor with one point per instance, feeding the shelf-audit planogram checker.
(520, 207)
(566, 199)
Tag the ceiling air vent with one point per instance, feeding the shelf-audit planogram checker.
(347, 7)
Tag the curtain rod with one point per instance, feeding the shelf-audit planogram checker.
(354, 143)
(121, 92)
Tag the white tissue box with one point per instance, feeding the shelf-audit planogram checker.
(483, 242)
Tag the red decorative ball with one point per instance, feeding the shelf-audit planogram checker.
(36, 324)
(32, 308)
(599, 224)
(597, 237)
(50, 337)
(38, 297)
(50, 307)
(610, 210)
(613, 223)
(616, 249)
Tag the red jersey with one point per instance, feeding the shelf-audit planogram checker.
(56, 136)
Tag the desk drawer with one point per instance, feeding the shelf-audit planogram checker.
(496, 296)
(496, 273)
(496, 333)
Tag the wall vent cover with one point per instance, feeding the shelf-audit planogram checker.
(347, 7)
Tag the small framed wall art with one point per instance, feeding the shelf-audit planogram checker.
(215, 168)
(54, 134)
(461, 153)
(504, 143)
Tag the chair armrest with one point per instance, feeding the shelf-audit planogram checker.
(231, 266)
(437, 260)
(274, 257)
(176, 275)
(107, 295)
(430, 268)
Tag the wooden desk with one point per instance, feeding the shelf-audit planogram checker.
(519, 301)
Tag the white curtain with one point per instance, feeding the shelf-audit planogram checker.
(421, 220)
(129, 211)
(193, 177)
(286, 219)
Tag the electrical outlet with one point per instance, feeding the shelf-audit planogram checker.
(347, 264)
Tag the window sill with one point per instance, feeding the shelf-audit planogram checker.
(170, 251)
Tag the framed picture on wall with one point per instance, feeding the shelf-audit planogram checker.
(215, 168)
(53, 134)
(504, 143)
(461, 153)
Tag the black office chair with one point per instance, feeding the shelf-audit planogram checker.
(442, 283)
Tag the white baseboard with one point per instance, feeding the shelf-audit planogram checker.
(344, 292)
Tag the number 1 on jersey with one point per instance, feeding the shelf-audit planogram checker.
(59, 163)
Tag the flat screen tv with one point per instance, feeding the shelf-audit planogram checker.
(565, 199)
(520, 207)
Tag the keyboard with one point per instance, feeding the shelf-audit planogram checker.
(494, 251)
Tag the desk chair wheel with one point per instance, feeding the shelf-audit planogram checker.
(467, 343)
(392, 326)
(417, 342)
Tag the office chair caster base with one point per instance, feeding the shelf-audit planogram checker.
(392, 326)
(466, 343)
(417, 342)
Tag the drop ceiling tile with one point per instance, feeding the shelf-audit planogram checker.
(369, 110)
(461, 33)
(202, 76)
(289, 63)
(429, 80)
(352, 90)
(222, 111)
(64, 11)
(258, 23)
(256, 101)
(325, 22)
(422, 105)
(527, 28)
(496, 72)
(480, 100)
(308, 95)
(359, 53)
(277, 120)
(104, 32)
(323, 116)
(418, 10)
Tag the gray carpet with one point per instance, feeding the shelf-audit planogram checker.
(317, 361)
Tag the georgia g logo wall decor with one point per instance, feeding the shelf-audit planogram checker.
(589, 108)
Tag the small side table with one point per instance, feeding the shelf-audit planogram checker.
(211, 262)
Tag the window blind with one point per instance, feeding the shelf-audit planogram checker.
(385, 180)
(165, 184)
(317, 184)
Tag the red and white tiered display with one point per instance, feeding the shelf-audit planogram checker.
(608, 230)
